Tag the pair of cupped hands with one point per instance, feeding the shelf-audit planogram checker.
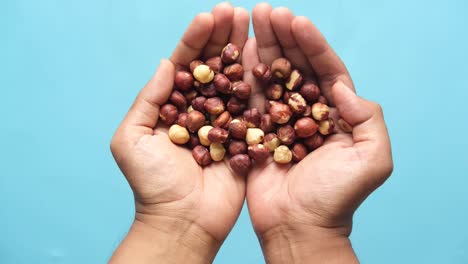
(300, 212)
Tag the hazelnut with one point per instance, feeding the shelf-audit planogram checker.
(178, 135)
(345, 126)
(189, 109)
(320, 111)
(193, 141)
(322, 99)
(241, 90)
(230, 53)
(266, 124)
(168, 114)
(282, 155)
(325, 127)
(254, 136)
(286, 96)
(234, 72)
(215, 64)
(182, 119)
(294, 80)
(195, 120)
(305, 127)
(297, 103)
(280, 113)
(222, 84)
(190, 95)
(310, 91)
(286, 134)
(237, 147)
(223, 120)
(281, 68)
(259, 153)
(236, 106)
(178, 99)
(199, 103)
(240, 164)
(299, 152)
(203, 135)
(183, 80)
(262, 72)
(252, 117)
(208, 90)
(308, 111)
(314, 141)
(238, 129)
(271, 141)
(203, 73)
(218, 135)
(194, 64)
(201, 155)
(217, 151)
(214, 105)
(274, 92)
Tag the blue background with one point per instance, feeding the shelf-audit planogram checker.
(69, 70)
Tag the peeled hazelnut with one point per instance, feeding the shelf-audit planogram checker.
(281, 68)
(294, 81)
(252, 117)
(254, 136)
(299, 152)
(241, 90)
(266, 124)
(240, 164)
(282, 155)
(203, 135)
(274, 92)
(314, 141)
(189, 109)
(215, 64)
(203, 73)
(218, 135)
(310, 91)
(322, 99)
(168, 114)
(262, 72)
(223, 120)
(259, 153)
(271, 141)
(280, 113)
(234, 72)
(178, 99)
(208, 90)
(345, 126)
(214, 105)
(190, 95)
(297, 103)
(230, 53)
(182, 119)
(305, 127)
(236, 106)
(194, 64)
(199, 103)
(222, 84)
(286, 134)
(320, 111)
(183, 80)
(195, 120)
(193, 141)
(201, 155)
(217, 151)
(237, 147)
(325, 127)
(238, 129)
(178, 135)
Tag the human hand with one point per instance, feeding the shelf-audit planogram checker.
(303, 212)
(189, 209)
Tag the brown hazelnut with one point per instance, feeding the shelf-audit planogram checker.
(183, 80)
(286, 96)
(182, 119)
(294, 80)
(208, 90)
(266, 124)
(345, 126)
(308, 111)
(237, 147)
(280, 113)
(194, 64)
(310, 91)
(223, 120)
(195, 120)
(314, 141)
(193, 141)
(322, 99)
(286, 134)
(190, 95)
(215, 64)
(282, 155)
(326, 127)
(299, 152)
(199, 103)
(281, 68)
(241, 90)
(203, 73)
(240, 164)
(254, 136)
(203, 135)
(234, 72)
(252, 117)
(178, 135)
(218, 135)
(168, 114)
(262, 72)
(238, 129)
(201, 155)
(178, 99)
(274, 92)
(217, 151)
(271, 141)
(258, 152)
(236, 106)
(222, 84)
(297, 103)
(230, 53)
(305, 127)
(214, 105)
(320, 111)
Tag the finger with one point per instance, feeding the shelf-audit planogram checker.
(326, 64)
(268, 46)
(281, 19)
(240, 27)
(249, 60)
(194, 40)
(223, 15)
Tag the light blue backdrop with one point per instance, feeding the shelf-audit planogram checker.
(69, 70)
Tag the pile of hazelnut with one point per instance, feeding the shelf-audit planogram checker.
(208, 112)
